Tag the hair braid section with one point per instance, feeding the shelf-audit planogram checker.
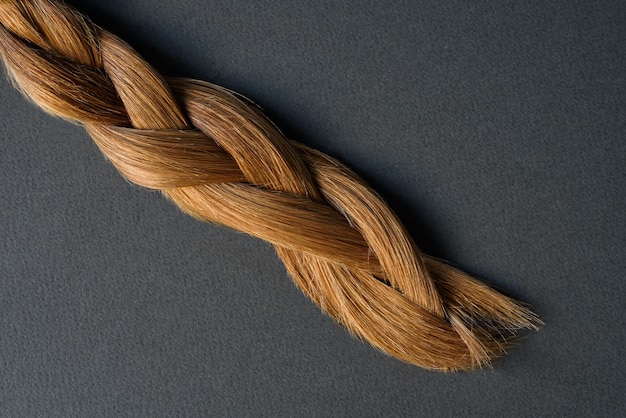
(219, 159)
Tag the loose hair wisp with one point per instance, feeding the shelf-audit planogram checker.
(220, 160)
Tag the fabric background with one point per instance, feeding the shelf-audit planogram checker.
(495, 130)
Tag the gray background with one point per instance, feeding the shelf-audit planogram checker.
(496, 130)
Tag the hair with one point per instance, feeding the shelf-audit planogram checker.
(218, 158)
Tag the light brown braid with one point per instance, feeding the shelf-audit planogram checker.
(219, 159)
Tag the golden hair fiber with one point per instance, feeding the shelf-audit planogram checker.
(220, 160)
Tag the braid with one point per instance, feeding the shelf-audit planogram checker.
(216, 156)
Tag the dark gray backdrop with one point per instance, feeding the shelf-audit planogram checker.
(496, 130)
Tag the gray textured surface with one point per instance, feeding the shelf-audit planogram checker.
(497, 131)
